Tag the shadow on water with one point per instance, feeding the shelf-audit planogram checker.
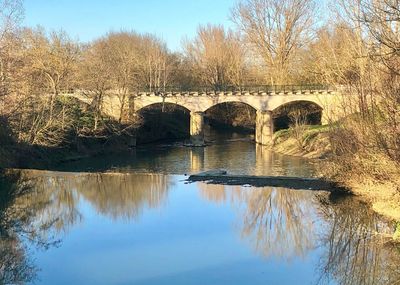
(39, 208)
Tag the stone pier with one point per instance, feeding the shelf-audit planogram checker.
(264, 127)
(197, 128)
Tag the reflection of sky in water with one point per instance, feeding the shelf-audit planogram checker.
(155, 229)
(184, 240)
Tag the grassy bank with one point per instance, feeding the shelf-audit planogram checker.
(369, 175)
(312, 142)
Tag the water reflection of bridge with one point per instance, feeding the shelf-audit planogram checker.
(264, 160)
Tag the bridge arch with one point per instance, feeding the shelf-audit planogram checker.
(233, 114)
(218, 100)
(159, 121)
(139, 107)
(278, 101)
(300, 111)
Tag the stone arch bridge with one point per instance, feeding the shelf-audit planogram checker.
(197, 103)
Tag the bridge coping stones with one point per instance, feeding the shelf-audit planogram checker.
(233, 93)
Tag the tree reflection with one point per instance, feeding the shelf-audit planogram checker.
(18, 224)
(290, 223)
(37, 206)
(357, 249)
(277, 222)
(15, 267)
(220, 194)
(116, 195)
(124, 195)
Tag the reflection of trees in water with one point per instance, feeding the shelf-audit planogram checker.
(281, 222)
(111, 194)
(278, 222)
(269, 162)
(15, 266)
(219, 194)
(355, 252)
(37, 206)
(18, 224)
(124, 195)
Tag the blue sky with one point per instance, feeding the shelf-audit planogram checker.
(88, 19)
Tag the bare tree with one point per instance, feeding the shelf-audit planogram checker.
(124, 57)
(277, 30)
(53, 58)
(11, 13)
(217, 56)
(95, 72)
(156, 63)
(137, 62)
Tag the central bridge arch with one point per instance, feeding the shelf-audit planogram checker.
(233, 114)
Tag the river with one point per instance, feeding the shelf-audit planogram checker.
(132, 218)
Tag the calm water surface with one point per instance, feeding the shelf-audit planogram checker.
(124, 226)
(238, 156)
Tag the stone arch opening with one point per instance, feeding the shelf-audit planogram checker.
(230, 118)
(163, 122)
(303, 112)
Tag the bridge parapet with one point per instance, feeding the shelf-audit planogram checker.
(231, 90)
(245, 88)
(229, 93)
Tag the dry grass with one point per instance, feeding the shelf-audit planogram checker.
(371, 175)
(314, 143)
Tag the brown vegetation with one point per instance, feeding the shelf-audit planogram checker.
(276, 42)
(366, 145)
(277, 30)
(217, 57)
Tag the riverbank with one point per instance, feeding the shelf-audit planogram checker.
(373, 178)
(312, 142)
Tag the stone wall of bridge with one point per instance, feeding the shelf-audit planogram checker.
(198, 103)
